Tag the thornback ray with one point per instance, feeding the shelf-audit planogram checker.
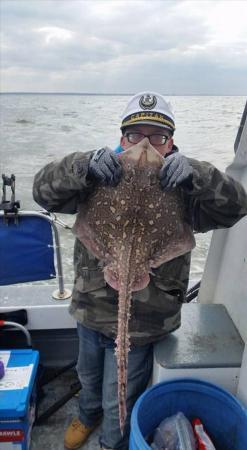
(132, 228)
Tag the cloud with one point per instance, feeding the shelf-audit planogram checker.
(122, 46)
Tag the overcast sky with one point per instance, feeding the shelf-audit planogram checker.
(171, 46)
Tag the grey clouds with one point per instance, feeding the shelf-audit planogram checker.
(176, 47)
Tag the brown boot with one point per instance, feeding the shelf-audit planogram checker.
(77, 434)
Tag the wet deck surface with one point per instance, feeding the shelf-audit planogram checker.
(49, 436)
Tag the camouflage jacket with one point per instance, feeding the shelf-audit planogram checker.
(216, 201)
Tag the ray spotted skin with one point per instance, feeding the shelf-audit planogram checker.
(132, 228)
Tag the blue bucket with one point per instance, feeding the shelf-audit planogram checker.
(223, 416)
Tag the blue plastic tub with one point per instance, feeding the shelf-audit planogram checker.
(223, 416)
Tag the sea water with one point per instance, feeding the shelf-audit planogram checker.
(37, 129)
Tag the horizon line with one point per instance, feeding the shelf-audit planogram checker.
(114, 94)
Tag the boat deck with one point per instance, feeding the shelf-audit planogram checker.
(49, 436)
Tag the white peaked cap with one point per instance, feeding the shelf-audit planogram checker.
(148, 108)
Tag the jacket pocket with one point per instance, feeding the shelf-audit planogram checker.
(89, 274)
(90, 280)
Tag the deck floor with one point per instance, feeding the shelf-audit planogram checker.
(49, 436)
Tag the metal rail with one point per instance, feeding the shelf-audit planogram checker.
(20, 327)
(61, 293)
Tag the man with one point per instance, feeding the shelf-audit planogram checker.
(212, 200)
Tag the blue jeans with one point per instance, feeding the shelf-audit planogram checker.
(97, 372)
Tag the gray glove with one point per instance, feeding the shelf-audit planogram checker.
(176, 171)
(105, 167)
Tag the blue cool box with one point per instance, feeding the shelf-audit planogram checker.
(17, 405)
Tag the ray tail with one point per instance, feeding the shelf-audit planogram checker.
(122, 340)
